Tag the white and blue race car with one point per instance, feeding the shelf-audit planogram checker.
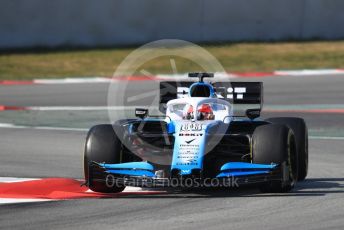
(199, 142)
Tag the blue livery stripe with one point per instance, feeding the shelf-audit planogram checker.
(130, 165)
(247, 173)
(246, 166)
(143, 173)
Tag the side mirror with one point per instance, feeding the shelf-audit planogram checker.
(253, 113)
(141, 113)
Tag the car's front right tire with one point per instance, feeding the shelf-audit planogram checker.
(102, 146)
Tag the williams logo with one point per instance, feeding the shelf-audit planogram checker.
(188, 142)
(191, 127)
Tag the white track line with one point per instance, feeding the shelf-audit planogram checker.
(81, 108)
(325, 138)
(73, 80)
(308, 72)
(21, 200)
(15, 179)
(13, 126)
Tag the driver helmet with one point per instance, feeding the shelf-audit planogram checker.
(205, 112)
(188, 112)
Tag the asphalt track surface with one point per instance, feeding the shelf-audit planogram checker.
(316, 203)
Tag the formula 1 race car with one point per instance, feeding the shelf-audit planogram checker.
(199, 142)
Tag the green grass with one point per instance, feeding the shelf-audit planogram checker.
(237, 57)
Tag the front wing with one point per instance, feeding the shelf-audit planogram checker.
(142, 174)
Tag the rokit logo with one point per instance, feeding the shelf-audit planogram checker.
(190, 134)
(191, 127)
(222, 92)
(231, 92)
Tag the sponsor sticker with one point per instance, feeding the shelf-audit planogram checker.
(189, 141)
(191, 134)
(191, 127)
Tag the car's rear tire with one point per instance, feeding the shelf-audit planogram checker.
(275, 143)
(103, 146)
(299, 128)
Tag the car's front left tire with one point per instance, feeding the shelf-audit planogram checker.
(275, 143)
(299, 128)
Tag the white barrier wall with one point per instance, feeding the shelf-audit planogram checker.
(29, 23)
